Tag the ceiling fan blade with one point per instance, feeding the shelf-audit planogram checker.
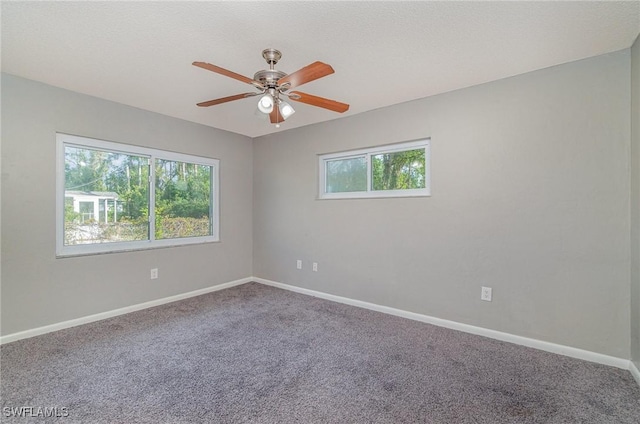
(227, 73)
(307, 74)
(318, 101)
(226, 99)
(276, 116)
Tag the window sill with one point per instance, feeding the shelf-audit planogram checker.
(374, 195)
(71, 252)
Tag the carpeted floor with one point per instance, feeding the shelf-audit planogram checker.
(254, 353)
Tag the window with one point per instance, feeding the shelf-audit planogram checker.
(397, 170)
(105, 191)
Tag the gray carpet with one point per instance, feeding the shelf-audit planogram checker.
(258, 354)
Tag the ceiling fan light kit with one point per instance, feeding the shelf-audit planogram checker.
(265, 105)
(274, 85)
(286, 109)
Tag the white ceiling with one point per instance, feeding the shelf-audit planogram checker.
(384, 53)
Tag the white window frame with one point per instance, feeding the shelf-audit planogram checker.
(367, 154)
(64, 140)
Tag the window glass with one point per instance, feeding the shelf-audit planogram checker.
(183, 199)
(345, 175)
(398, 170)
(97, 185)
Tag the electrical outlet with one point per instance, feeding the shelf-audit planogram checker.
(154, 273)
(486, 294)
(315, 267)
(299, 264)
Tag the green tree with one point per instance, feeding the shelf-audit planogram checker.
(183, 190)
(399, 170)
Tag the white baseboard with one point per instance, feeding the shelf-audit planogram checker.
(498, 335)
(634, 372)
(109, 314)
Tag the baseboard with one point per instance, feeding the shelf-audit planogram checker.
(498, 335)
(634, 372)
(506, 337)
(109, 314)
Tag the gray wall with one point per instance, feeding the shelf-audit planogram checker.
(635, 203)
(37, 288)
(530, 196)
(531, 187)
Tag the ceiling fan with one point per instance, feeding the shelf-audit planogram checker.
(274, 85)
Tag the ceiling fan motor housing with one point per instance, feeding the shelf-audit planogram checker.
(269, 77)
